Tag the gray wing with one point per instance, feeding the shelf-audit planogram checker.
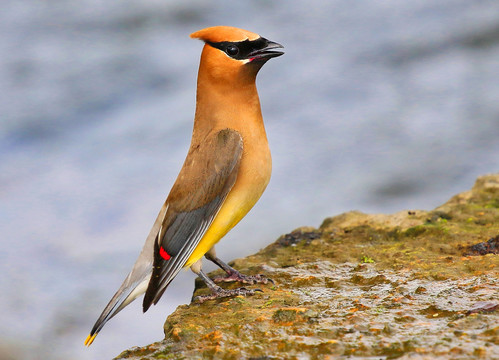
(209, 173)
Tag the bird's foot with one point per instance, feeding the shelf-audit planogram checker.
(223, 293)
(245, 279)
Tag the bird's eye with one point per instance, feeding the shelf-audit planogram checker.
(232, 50)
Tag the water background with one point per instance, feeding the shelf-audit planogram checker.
(376, 106)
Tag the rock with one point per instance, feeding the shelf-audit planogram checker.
(384, 286)
(485, 247)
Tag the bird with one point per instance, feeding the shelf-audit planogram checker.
(226, 170)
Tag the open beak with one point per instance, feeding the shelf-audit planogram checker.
(267, 52)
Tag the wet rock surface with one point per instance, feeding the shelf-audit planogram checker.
(382, 286)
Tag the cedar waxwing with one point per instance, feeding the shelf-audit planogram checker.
(225, 172)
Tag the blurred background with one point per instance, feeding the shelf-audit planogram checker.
(376, 106)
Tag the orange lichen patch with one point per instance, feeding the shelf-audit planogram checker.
(214, 336)
(376, 329)
(176, 333)
(305, 280)
(421, 350)
(297, 309)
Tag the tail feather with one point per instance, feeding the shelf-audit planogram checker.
(127, 293)
(135, 283)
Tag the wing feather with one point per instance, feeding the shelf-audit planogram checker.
(209, 173)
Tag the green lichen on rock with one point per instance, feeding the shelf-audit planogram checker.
(391, 286)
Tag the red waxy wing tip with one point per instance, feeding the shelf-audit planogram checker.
(164, 254)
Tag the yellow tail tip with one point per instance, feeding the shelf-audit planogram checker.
(90, 339)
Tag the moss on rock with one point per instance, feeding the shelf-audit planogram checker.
(392, 286)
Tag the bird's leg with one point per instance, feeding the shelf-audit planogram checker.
(217, 291)
(233, 274)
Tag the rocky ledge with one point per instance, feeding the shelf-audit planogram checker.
(411, 285)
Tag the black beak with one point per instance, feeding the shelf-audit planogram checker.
(267, 52)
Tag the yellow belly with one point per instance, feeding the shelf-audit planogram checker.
(245, 193)
(229, 215)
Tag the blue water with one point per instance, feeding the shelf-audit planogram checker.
(376, 106)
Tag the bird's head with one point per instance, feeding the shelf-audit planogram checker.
(232, 54)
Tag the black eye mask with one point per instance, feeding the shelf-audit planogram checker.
(240, 50)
